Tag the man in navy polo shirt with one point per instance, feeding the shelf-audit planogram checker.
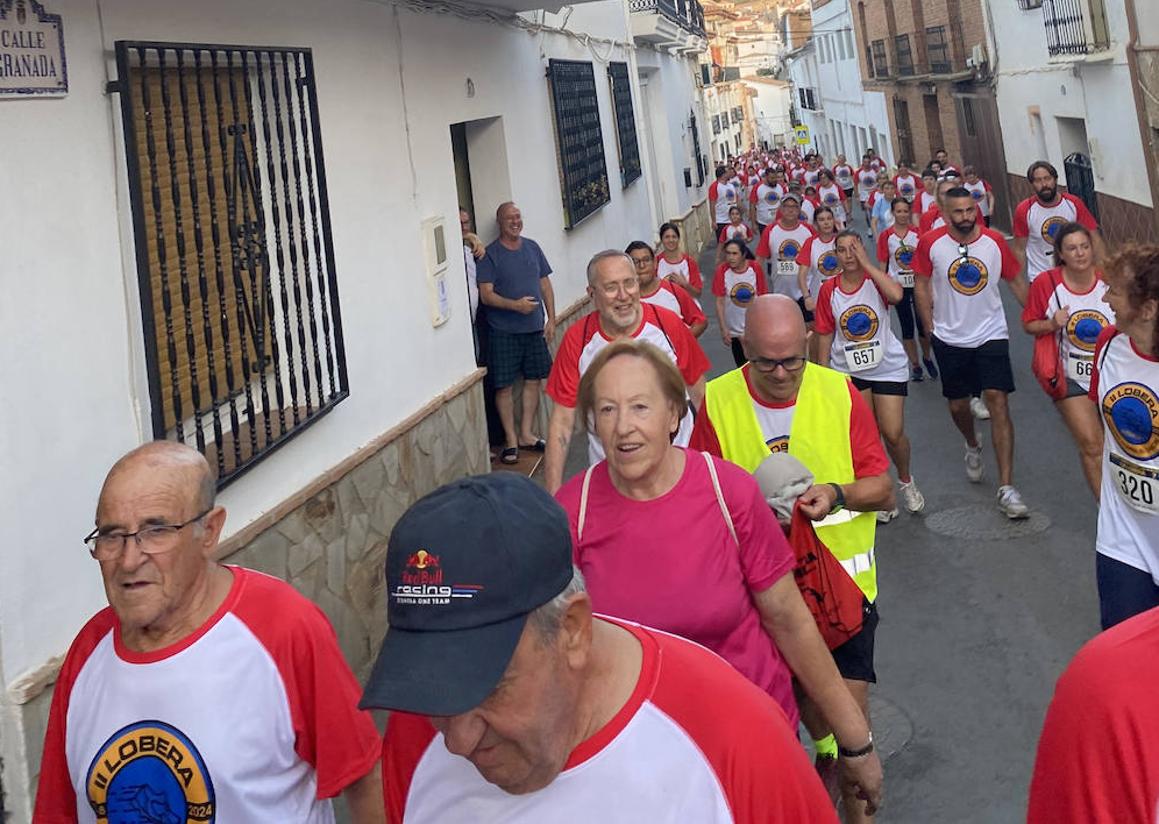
(515, 287)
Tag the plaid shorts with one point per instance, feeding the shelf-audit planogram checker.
(517, 354)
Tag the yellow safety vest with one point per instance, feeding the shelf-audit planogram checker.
(818, 438)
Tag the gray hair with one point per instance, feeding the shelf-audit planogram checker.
(548, 618)
(600, 257)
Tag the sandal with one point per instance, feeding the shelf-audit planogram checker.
(510, 456)
(539, 446)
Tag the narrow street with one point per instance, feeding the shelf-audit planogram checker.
(979, 614)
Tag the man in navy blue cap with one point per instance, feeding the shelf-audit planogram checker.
(512, 702)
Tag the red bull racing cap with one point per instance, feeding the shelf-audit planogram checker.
(464, 568)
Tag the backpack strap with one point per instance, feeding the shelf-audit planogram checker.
(583, 507)
(720, 498)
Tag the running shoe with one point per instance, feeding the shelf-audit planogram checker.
(974, 469)
(1010, 502)
(915, 374)
(887, 515)
(931, 367)
(912, 497)
(979, 409)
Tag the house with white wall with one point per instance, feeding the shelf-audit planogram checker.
(1066, 94)
(803, 73)
(772, 110)
(237, 229)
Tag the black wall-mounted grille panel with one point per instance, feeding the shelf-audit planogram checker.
(580, 142)
(625, 123)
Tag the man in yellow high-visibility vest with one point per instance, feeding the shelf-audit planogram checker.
(779, 402)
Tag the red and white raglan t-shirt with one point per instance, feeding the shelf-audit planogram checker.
(675, 299)
(254, 717)
(738, 289)
(695, 742)
(843, 174)
(866, 180)
(1098, 757)
(897, 253)
(907, 186)
(821, 258)
(767, 199)
(584, 340)
(812, 176)
(931, 219)
(926, 202)
(1089, 316)
(726, 196)
(735, 231)
(864, 345)
(1125, 388)
(1039, 223)
(833, 197)
(967, 302)
(686, 267)
(781, 247)
(979, 192)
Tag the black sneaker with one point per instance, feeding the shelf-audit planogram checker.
(915, 374)
(931, 368)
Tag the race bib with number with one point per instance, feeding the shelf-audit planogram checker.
(1078, 367)
(1138, 485)
(863, 356)
(906, 279)
(786, 267)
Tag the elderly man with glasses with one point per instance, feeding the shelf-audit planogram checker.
(203, 692)
(779, 402)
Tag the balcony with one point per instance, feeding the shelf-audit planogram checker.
(1075, 28)
(669, 24)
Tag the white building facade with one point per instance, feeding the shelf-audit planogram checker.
(330, 162)
(772, 113)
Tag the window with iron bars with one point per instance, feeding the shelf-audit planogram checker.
(630, 170)
(904, 55)
(738, 114)
(879, 58)
(701, 164)
(724, 119)
(1075, 26)
(582, 167)
(716, 124)
(938, 50)
(1029, 4)
(235, 264)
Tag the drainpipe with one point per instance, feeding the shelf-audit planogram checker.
(1141, 106)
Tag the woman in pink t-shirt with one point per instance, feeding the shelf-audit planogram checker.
(685, 543)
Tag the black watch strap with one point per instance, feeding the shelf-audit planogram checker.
(866, 750)
(840, 502)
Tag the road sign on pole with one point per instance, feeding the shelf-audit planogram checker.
(802, 135)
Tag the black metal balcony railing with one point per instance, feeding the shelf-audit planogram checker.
(1075, 26)
(688, 13)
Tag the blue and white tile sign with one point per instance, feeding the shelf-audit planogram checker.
(32, 61)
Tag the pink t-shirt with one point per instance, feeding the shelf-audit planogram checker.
(671, 564)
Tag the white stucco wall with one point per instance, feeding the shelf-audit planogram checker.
(75, 389)
(1096, 90)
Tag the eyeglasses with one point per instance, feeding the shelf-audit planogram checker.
(151, 540)
(794, 364)
(628, 285)
(642, 261)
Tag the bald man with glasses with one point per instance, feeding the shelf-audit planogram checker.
(203, 691)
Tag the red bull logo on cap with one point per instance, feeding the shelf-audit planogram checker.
(422, 567)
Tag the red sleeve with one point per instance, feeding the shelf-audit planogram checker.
(823, 321)
(1083, 215)
(1021, 219)
(703, 437)
(883, 247)
(718, 281)
(759, 276)
(763, 245)
(868, 454)
(921, 262)
(55, 797)
(1011, 268)
(563, 380)
(805, 256)
(1038, 299)
(986, 186)
(694, 273)
(712, 191)
(1100, 344)
(723, 236)
(690, 358)
(407, 739)
(927, 221)
(689, 311)
(753, 195)
(331, 733)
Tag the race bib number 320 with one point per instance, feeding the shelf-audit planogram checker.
(1138, 485)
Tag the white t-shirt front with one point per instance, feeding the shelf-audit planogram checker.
(834, 198)
(738, 289)
(844, 176)
(821, 259)
(866, 182)
(967, 302)
(898, 254)
(978, 191)
(726, 196)
(1125, 386)
(1038, 224)
(781, 247)
(1088, 316)
(864, 345)
(768, 199)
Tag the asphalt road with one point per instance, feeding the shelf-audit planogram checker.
(978, 615)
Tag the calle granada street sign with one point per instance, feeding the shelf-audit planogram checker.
(31, 51)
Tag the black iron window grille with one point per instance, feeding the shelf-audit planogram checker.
(1075, 26)
(938, 50)
(625, 123)
(880, 61)
(701, 166)
(737, 114)
(724, 119)
(580, 142)
(716, 124)
(869, 61)
(239, 301)
(904, 54)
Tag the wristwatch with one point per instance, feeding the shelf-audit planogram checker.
(866, 750)
(840, 502)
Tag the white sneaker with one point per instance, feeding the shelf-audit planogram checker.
(974, 469)
(887, 515)
(1010, 502)
(979, 409)
(912, 497)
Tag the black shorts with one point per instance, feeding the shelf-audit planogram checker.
(967, 372)
(854, 658)
(808, 314)
(1073, 390)
(898, 388)
(848, 195)
(760, 231)
(511, 355)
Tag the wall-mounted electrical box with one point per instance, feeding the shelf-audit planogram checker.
(435, 252)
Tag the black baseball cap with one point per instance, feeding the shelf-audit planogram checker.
(464, 568)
